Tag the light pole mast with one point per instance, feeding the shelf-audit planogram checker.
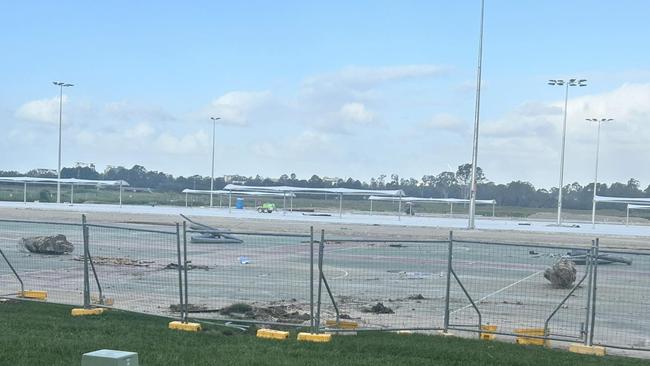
(61, 85)
(566, 84)
(214, 127)
(477, 110)
(593, 208)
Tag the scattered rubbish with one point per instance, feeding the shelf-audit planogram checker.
(192, 308)
(273, 313)
(532, 252)
(316, 214)
(416, 297)
(397, 245)
(523, 223)
(54, 244)
(378, 308)
(189, 266)
(244, 260)
(562, 274)
(117, 261)
(512, 303)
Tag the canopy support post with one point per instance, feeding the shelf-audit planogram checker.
(185, 199)
(284, 203)
(494, 205)
(340, 205)
(25, 193)
(120, 193)
(71, 194)
(370, 207)
(291, 203)
(451, 210)
(627, 215)
(399, 209)
(230, 202)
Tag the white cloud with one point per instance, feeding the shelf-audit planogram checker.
(41, 110)
(447, 122)
(187, 144)
(357, 113)
(236, 107)
(127, 111)
(140, 131)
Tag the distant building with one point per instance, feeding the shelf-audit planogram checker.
(330, 179)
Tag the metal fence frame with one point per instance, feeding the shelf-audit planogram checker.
(318, 281)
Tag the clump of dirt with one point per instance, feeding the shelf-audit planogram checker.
(378, 308)
(192, 308)
(189, 266)
(117, 261)
(416, 297)
(273, 313)
(8, 301)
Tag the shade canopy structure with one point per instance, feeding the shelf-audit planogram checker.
(450, 201)
(71, 181)
(634, 207)
(630, 202)
(340, 192)
(229, 193)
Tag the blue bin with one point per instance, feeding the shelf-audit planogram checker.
(239, 203)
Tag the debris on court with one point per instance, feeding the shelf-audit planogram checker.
(53, 244)
(189, 266)
(271, 313)
(562, 274)
(192, 308)
(117, 261)
(416, 297)
(378, 308)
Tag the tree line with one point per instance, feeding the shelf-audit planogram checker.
(446, 184)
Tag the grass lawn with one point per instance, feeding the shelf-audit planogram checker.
(46, 334)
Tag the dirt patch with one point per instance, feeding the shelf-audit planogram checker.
(192, 308)
(273, 313)
(189, 267)
(378, 308)
(416, 297)
(117, 261)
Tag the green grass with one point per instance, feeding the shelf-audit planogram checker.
(45, 334)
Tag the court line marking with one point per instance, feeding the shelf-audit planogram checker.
(498, 291)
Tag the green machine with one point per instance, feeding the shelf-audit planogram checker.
(107, 357)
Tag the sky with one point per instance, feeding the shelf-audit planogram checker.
(334, 88)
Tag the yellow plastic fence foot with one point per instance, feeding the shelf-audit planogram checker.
(537, 332)
(488, 336)
(84, 312)
(446, 334)
(312, 337)
(33, 294)
(587, 350)
(272, 334)
(342, 324)
(187, 327)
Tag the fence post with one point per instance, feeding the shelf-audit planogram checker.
(185, 263)
(84, 229)
(311, 280)
(321, 247)
(593, 293)
(448, 287)
(589, 261)
(180, 270)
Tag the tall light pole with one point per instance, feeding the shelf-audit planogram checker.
(214, 127)
(566, 84)
(477, 109)
(61, 85)
(593, 208)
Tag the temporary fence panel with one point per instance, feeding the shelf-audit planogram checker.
(623, 300)
(508, 289)
(41, 264)
(385, 284)
(136, 267)
(256, 277)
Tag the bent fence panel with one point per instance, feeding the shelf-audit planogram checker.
(385, 284)
(265, 278)
(508, 287)
(623, 301)
(137, 268)
(61, 275)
